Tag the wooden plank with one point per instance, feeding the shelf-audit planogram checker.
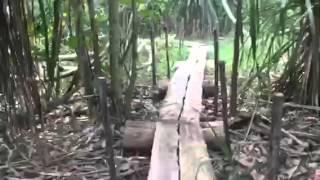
(194, 158)
(184, 157)
(164, 159)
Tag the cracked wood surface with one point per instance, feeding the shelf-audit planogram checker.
(191, 161)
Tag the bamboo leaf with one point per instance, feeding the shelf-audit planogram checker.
(72, 42)
(257, 16)
(228, 11)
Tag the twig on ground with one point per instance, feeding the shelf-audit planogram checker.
(251, 121)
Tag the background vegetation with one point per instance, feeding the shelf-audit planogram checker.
(50, 49)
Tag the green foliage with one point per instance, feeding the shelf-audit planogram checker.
(101, 17)
(175, 54)
(72, 42)
(273, 28)
(280, 32)
(226, 51)
(210, 14)
(152, 9)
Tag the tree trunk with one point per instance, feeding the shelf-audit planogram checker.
(235, 63)
(224, 96)
(114, 49)
(104, 115)
(216, 70)
(56, 38)
(17, 65)
(95, 39)
(69, 21)
(154, 66)
(167, 51)
(46, 39)
(86, 75)
(133, 76)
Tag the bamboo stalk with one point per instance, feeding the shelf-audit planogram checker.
(225, 106)
(107, 126)
(216, 71)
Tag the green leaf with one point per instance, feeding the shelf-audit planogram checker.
(146, 13)
(101, 18)
(73, 42)
(125, 2)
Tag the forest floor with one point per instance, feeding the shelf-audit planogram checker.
(65, 150)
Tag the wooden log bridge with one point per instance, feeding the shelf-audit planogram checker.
(179, 151)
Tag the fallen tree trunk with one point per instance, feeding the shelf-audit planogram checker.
(139, 135)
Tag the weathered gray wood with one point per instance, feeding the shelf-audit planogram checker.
(164, 159)
(194, 158)
(275, 136)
